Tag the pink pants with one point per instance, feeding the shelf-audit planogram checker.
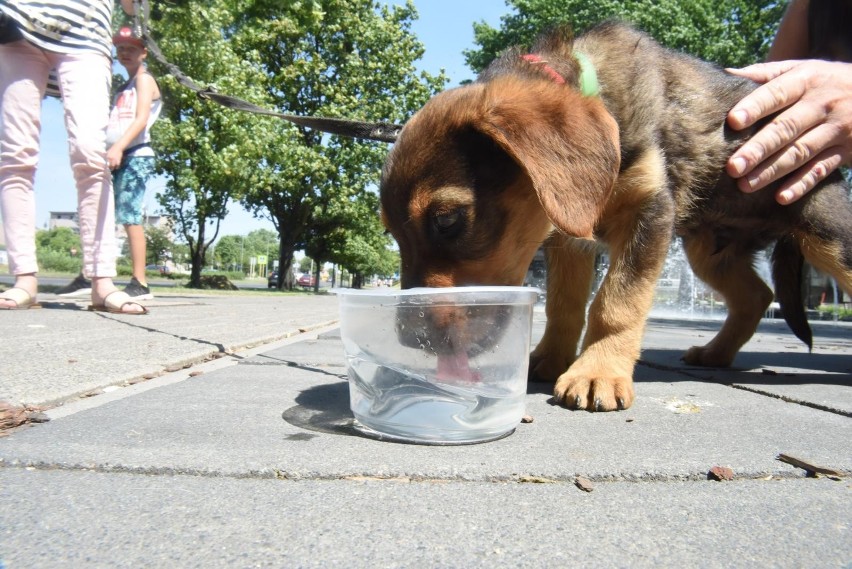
(84, 81)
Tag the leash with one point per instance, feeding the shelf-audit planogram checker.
(378, 131)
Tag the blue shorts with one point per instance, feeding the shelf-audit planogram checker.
(128, 183)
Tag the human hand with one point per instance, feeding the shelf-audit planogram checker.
(114, 157)
(809, 139)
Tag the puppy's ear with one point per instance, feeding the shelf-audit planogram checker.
(567, 143)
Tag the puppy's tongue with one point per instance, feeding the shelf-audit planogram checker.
(456, 368)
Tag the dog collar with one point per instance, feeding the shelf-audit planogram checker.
(536, 59)
(588, 76)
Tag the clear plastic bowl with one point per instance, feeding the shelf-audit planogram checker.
(437, 365)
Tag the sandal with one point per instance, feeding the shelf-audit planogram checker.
(22, 299)
(115, 301)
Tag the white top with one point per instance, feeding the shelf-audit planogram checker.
(122, 114)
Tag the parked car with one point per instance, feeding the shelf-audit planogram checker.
(306, 280)
(272, 280)
(162, 269)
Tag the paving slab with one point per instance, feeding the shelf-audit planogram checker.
(63, 350)
(97, 519)
(773, 362)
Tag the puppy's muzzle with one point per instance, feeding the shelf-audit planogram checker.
(451, 330)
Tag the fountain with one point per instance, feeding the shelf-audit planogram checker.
(681, 294)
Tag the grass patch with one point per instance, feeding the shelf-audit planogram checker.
(829, 311)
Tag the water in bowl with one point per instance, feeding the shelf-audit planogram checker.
(399, 404)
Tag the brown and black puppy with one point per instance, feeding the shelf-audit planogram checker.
(609, 139)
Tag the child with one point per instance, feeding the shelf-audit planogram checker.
(130, 156)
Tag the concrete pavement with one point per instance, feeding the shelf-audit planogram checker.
(216, 432)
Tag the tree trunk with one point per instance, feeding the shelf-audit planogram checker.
(197, 253)
(285, 267)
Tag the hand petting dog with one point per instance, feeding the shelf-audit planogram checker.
(809, 139)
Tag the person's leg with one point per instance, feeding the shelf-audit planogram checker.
(136, 236)
(84, 80)
(129, 184)
(23, 76)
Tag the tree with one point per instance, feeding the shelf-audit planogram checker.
(158, 244)
(203, 149)
(338, 58)
(230, 252)
(350, 234)
(306, 264)
(364, 259)
(59, 240)
(730, 33)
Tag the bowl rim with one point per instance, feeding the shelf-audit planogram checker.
(435, 291)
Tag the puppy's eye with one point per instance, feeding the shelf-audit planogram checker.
(449, 222)
(446, 220)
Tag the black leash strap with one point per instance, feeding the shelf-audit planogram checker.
(380, 131)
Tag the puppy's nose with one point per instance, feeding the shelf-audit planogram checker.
(446, 317)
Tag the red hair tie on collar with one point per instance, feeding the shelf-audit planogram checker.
(533, 58)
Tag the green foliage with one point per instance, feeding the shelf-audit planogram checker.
(730, 33)
(233, 251)
(58, 261)
(306, 264)
(180, 253)
(59, 250)
(832, 311)
(60, 240)
(201, 146)
(340, 58)
(158, 243)
(229, 251)
(262, 242)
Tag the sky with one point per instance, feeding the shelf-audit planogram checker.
(445, 27)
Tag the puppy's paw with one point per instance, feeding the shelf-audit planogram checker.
(545, 368)
(594, 392)
(706, 356)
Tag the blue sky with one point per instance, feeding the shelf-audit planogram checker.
(445, 27)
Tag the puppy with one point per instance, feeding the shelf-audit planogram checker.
(609, 139)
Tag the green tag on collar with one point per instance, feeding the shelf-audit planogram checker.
(588, 76)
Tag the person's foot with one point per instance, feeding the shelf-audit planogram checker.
(80, 287)
(28, 284)
(17, 299)
(138, 291)
(102, 288)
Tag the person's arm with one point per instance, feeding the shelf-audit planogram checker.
(128, 7)
(791, 39)
(813, 134)
(146, 88)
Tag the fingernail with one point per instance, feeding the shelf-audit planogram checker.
(786, 197)
(739, 164)
(741, 117)
(753, 180)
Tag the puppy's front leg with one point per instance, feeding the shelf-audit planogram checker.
(570, 268)
(601, 379)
